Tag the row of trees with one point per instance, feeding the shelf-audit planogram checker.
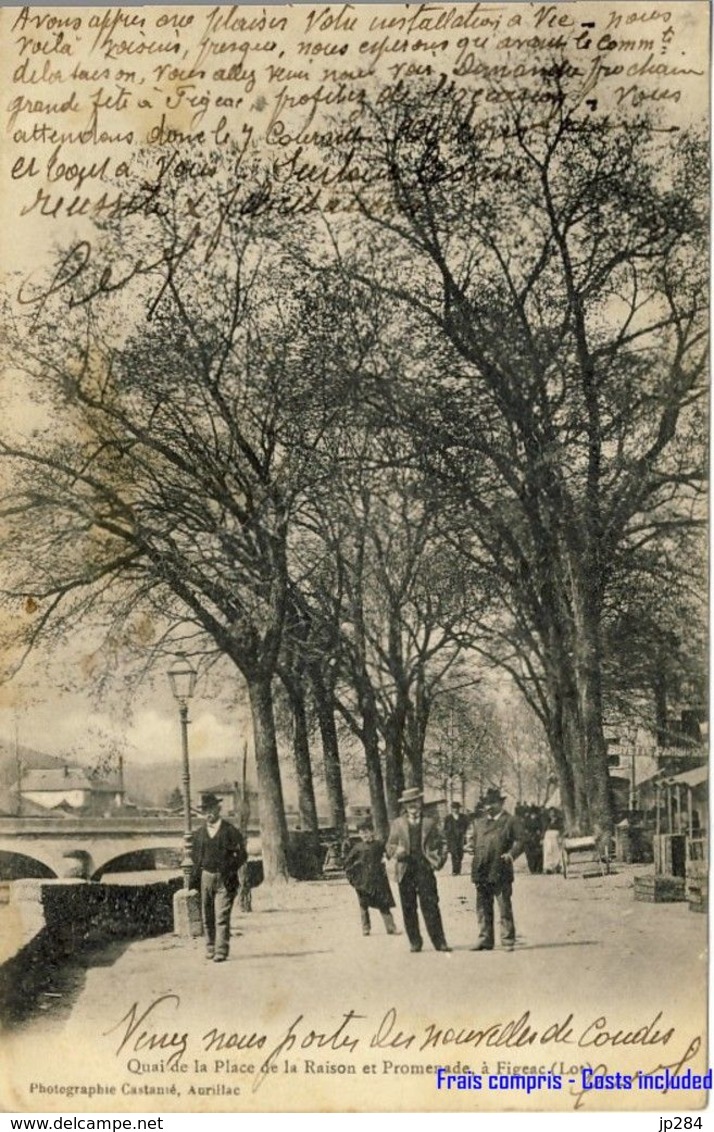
(350, 458)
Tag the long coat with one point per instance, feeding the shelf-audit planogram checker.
(490, 838)
(432, 844)
(455, 827)
(366, 873)
(231, 851)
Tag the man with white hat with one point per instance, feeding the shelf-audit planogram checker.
(417, 846)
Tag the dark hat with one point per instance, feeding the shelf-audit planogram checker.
(210, 801)
(455, 803)
(413, 794)
(365, 825)
(492, 795)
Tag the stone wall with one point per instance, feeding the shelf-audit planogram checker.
(48, 922)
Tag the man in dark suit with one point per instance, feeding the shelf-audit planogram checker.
(417, 846)
(455, 827)
(497, 839)
(218, 854)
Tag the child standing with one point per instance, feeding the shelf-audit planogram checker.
(366, 873)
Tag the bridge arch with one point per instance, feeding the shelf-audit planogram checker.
(23, 866)
(71, 846)
(146, 859)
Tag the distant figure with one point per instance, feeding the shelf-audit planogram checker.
(417, 846)
(552, 852)
(497, 840)
(455, 827)
(333, 862)
(531, 820)
(364, 868)
(218, 854)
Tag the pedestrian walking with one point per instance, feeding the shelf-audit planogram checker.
(218, 853)
(455, 829)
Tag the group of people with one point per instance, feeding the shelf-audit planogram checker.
(542, 829)
(418, 846)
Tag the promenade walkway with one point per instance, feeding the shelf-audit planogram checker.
(309, 1014)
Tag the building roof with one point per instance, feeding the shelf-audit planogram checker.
(699, 776)
(60, 780)
(221, 788)
(696, 777)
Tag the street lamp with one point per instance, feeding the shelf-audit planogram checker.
(630, 730)
(182, 678)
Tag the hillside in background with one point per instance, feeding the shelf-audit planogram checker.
(145, 783)
(30, 759)
(152, 783)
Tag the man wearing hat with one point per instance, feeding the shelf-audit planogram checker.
(497, 839)
(455, 826)
(417, 846)
(218, 853)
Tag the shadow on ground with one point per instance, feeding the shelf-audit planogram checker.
(46, 984)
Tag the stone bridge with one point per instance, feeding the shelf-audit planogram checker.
(58, 844)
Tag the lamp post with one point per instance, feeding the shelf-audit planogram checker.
(630, 730)
(182, 678)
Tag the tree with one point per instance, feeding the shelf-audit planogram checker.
(376, 608)
(552, 257)
(655, 629)
(291, 669)
(528, 762)
(173, 452)
(464, 746)
(174, 800)
(382, 583)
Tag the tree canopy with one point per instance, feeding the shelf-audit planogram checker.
(465, 419)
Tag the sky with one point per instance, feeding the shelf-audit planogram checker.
(144, 723)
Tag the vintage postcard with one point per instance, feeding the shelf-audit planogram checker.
(353, 434)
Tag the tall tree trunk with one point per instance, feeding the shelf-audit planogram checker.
(380, 817)
(575, 730)
(394, 754)
(594, 755)
(396, 719)
(307, 807)
(588, 675)
(415, 732)
(562, 738)
(273, 827)
(324, 707)
(366, 696)
(659, 692)
(370, 740)
(393, 780)
(310, 854)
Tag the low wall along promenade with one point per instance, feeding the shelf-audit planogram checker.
(48, 921)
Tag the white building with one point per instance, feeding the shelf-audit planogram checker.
(71, 788)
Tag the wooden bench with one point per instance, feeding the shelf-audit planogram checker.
(582, 857)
